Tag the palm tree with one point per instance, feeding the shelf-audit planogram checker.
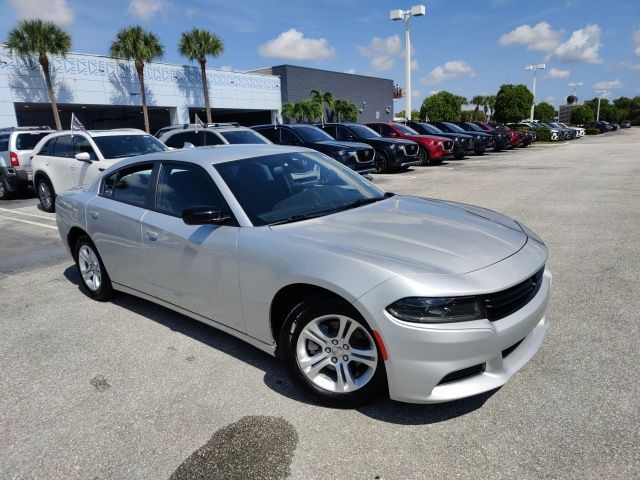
(37, 37)
(322, 98)
(345, 110)
(135, 43)
(196, 45)
(288, 111)
(490, 105)
(477, 101)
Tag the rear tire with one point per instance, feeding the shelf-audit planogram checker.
(382, 164)
(94, 279)
(46, 194)
(5, 194)
(329, 352)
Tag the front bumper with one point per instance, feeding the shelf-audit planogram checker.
(421, 356)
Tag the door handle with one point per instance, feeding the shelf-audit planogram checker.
(73, 167)
(151, 235)
(94, 215)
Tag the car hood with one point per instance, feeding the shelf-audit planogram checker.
(386, 142)
(408, 235)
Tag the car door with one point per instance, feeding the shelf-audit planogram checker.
(61, 164)
(192, 266)
(86, 171)
(114, 224)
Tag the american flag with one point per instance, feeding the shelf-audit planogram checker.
(199, 123)
(76, 124)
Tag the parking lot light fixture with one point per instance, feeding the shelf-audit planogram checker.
(534, 69)
(601, 93)
(574, 85)
(415, 11)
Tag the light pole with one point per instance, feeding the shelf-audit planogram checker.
(574, 85)
(415, 11)
(534, 69)
(600, 95)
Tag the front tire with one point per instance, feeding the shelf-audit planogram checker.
(46, 194)
(329, 352)
(423, 157)
(382, 164)
(94, 279)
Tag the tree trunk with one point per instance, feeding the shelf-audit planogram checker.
(143, 95)
(44, 63)
(205, 88)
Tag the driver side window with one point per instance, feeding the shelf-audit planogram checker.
(83, 145)
(343, 133)
(288, 137)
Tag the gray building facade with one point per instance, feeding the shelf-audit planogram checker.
(373, 96)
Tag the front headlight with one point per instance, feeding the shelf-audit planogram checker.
(340, 153)
(437, 310)
(530, 233)
(393, 146)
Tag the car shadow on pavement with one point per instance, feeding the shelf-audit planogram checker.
(383, 409)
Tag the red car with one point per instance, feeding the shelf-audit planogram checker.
(518, 139)
(433, 149)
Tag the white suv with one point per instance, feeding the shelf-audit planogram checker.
(16, 148)
(188, 135)
(65, 159)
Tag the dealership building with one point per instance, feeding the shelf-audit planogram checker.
(104, 93)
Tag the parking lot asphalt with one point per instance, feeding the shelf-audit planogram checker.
(127, 389)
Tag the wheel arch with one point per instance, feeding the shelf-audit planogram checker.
(72, 237)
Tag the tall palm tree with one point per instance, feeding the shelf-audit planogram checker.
(288, 111)
(345, 110)
(135, 43)
(490, 105)
(322, 99)
(196, 44)
(477, 101)
(37, 37)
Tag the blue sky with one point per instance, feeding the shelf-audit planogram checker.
(468, 47)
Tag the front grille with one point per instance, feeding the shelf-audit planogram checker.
(464, 373)
(410, 150)
(448, 145)
(501, 304)
(365, 156)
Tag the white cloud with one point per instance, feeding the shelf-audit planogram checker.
(415, 93)
(146, 9)
(608, 84)
(550, 99)
(453, 69)
(556, 73)
(382, 52)
(292, 45)
(56, 11)
(636, 40)
(414, 65)
(582, 46)
(350, 70)
(540, 38)
(191, 12)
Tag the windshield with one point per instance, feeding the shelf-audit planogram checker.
(475, 127)
(120, 146)
(455, 127)
(363, 131)
(26, 141)
(406, 130)
(293, 186)
(430, 128)
(243, 136)
(309, 133)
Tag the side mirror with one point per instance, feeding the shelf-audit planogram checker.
(83, 156)
(204, 216)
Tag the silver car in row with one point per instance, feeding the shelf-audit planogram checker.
(357, 291)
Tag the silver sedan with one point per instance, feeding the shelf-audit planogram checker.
(357, 291)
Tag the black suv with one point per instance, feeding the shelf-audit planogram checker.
(501, 140)
(391, 153)
(357, 156)
(481, 140)
(462, 143)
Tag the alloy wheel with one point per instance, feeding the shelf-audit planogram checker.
(45, 195)
(336, 353)
(89, 268)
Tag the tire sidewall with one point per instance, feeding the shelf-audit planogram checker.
(306, 311)
(4, 190)
(46, 181)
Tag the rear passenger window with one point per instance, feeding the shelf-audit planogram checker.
(272, 134)
(211, 138)
(64, 147)
(129, 185)
(179, 139)
(48, 148)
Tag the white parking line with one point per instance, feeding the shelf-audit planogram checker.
(27, 213)
(27, 221)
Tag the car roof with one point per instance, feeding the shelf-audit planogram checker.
(102, 133)
(216, 154)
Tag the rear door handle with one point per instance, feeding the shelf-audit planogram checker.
(151, 235)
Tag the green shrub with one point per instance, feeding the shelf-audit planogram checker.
(543, 135)
(592, 131)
